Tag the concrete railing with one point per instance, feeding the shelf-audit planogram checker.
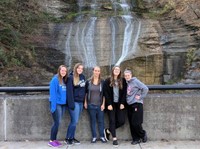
(166, 116)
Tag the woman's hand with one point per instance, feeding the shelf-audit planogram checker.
(137, 97)
(85, 105)
(110, 107)
(102, 107)
(121, 106)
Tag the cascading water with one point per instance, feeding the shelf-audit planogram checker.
(68, 57)
(84, 43)
(88, 44)
(82, 40)
(113, 31)
(131, 32)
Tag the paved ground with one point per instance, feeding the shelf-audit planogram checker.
(99, 145)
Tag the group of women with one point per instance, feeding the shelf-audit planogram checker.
(73, 92)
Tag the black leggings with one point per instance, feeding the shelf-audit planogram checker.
(116, 118)
(135, 117)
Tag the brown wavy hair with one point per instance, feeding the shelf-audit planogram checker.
(119, 78)
(59, 75)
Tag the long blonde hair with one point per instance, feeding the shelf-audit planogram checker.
(119, 78)
(76, 78)
(59, 75)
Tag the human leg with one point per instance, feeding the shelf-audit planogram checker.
(74, 116)
(92, 113)
(57, 116)
(135, 116)
(100, 119)
(119, 116)
(111, 117)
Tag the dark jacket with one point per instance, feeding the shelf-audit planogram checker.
(70, 97)
(78, 90)
(108, 93)
(87, 90)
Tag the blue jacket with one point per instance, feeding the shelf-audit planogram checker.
(78, 90)
(60, 94)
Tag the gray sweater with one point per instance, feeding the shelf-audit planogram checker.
(136, 87)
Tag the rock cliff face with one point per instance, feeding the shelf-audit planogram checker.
(163, 38)
(180, 32)
(169, 29)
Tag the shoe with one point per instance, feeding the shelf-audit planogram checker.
(68, 142)
(144, 139)
(134, 142)
(115, 143)
(74, 141)
(53, 144)
(103, 140)
(58, 142)
(107, 134)
(94, 140)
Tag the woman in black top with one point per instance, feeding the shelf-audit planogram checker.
(115, 98)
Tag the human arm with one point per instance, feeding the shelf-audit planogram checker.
(107, 94)
(53, 94)
(85, 102)
(143, 90)
(103, 104)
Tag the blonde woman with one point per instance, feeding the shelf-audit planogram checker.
(78, 97)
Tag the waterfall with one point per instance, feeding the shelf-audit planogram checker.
(84, 38)
(68, 57)
(113, 34)
(127, 38)
(88, 44)
(131, 33)
(83, 44)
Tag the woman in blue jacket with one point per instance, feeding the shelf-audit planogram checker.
(78, 93)
(59, 87)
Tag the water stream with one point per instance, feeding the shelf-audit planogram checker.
(82, 35)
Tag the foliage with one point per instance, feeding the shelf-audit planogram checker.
(18, 18)
(190, 57)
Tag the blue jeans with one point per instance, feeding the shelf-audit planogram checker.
(74, 115)
(96, 115)
(57, 116)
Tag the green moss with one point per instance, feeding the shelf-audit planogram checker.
(160, 12)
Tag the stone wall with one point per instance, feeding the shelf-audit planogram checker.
(166, 116)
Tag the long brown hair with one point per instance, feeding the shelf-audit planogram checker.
(59, 75)
(92, 77)
(119, 78)
(76, 75)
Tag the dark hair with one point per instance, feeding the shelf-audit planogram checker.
(119, 78)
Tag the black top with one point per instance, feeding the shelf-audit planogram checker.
(108, 92)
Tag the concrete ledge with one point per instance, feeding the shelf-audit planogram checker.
(166, 116)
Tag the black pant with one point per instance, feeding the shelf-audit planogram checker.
(116, 118)
(135, 117)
